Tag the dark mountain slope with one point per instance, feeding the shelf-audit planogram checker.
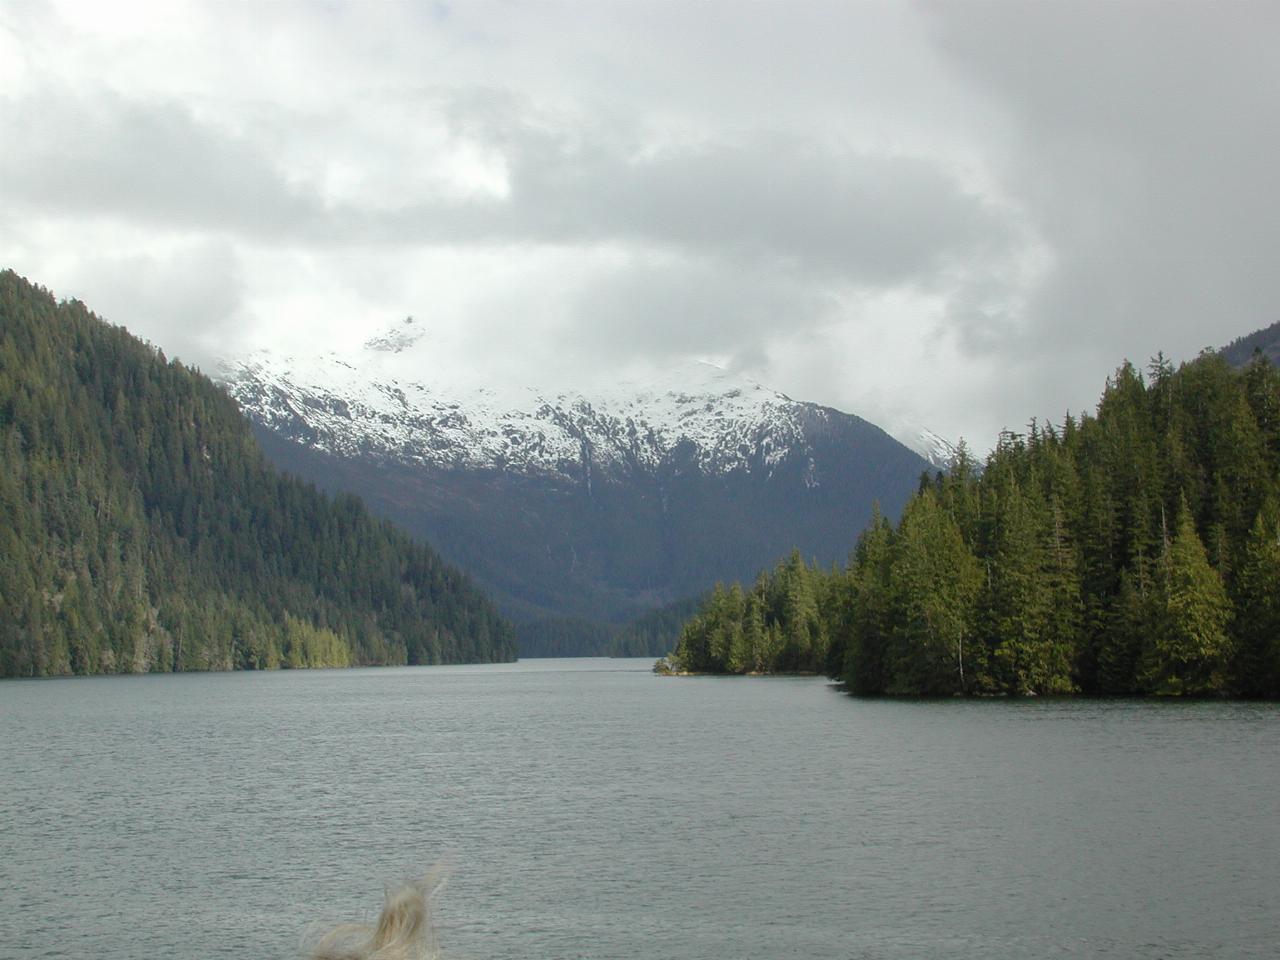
(142, 529)
(1240, 351)
(579, 510)
(599, 539)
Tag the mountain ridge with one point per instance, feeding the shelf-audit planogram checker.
(1240, 351)
(573, 504)
(700, 415)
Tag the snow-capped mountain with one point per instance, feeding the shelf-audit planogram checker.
(719, 422)
(596, 504)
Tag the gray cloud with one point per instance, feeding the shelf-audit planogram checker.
(1144, 138)
(864, 219)
(842, 215)
(149, 162)
(661, 308)
(187, 301)
(839, 215)
(969, 210)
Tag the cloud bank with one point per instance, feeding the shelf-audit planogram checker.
(962, 215)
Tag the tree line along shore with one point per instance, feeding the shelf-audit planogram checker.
(1135, 550)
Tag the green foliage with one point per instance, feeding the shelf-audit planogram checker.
(1136, 550)
(775, 627)
(864, 617)
(1187, 647)
(143, 530)
(1032, 597)
(933, 588)
(654, 633)
(309, 646)
(1258, 608)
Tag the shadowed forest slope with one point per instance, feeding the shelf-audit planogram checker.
(141, 528)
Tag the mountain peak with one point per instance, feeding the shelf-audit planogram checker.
(723, 421)
(398, 337)
(592, 501)
(938, 450)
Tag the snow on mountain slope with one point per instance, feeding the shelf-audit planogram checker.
(939, 451)
(390, 400)
(703, 414)
(399, 338)
(595, 503)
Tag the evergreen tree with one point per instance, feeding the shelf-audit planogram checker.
(1258, 604)
(868, 612)
(936, 580)
(1104, 556)
(1188, 652)
(1030, 634)
(755, 637)
(145, 531)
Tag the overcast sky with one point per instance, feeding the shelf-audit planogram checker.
(960, 214)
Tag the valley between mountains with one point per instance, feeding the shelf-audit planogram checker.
(579, 511)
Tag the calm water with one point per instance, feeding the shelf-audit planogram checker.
(589, 809)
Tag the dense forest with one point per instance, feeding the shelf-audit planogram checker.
(142, 530)
(1133, 551)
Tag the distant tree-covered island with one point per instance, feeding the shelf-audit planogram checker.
(1133, 551)
(142, 530)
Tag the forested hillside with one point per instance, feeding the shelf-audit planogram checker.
(141, 529)
(1136, 550)
(650, 635)
(1240, 352)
